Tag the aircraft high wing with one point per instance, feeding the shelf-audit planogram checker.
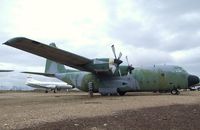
(50, 52)
(98, 65)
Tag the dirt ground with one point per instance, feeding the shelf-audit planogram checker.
(75, 110)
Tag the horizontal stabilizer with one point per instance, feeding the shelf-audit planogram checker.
(38, 73)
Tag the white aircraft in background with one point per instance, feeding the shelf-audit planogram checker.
(55, 86)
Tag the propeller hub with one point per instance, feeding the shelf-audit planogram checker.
(130, 68)
(117, 61)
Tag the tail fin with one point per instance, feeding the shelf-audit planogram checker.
(54, 67)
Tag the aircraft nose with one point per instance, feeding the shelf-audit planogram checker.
(192, 80)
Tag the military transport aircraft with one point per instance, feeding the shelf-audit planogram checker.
(53, 86)
(105, 75)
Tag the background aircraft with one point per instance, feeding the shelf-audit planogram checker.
(195, 87)
(106, 75)
(52, 86)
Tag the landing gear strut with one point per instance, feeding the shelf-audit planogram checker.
(175, 92)
(54, 90)
(90, 89)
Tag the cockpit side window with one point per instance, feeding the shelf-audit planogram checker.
(179, 69)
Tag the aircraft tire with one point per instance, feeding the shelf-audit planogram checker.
(46, 91)
(121, 93)
(104, 94)
(175, 92)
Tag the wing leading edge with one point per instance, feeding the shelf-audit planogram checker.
(49, 52)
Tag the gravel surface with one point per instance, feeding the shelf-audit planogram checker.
(173, 117)
(40, 110)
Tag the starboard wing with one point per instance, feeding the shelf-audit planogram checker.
(49, 52)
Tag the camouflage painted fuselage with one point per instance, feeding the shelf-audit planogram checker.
(156, 78)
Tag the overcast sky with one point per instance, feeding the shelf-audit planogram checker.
(148, 31)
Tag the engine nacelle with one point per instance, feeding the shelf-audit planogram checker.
(105, 65)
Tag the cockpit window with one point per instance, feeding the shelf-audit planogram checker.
(179, 69)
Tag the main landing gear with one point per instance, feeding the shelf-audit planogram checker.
(90, 89)
(175, 91)
(54, 90)
(121, 93)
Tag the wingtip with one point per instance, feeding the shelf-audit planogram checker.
(13, 40)
(5, 43)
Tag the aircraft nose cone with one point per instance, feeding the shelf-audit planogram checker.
(192, 80)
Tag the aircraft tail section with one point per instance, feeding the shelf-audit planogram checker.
(53, 67)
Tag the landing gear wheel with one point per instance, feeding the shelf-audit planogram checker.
(46, 91)
(175, 92)
(104, 94)
(121, 93)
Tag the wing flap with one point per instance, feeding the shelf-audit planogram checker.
(49, 52)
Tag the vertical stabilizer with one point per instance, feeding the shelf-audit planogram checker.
(54, 67)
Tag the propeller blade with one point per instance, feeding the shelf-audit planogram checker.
(120, 74)
(120, 55)
(127, 60)
(130, 68)
(113, 49)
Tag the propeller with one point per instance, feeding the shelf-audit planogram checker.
(120, 55)
(117, 61)
(113, 49)
(127, 60)
(129, 68)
